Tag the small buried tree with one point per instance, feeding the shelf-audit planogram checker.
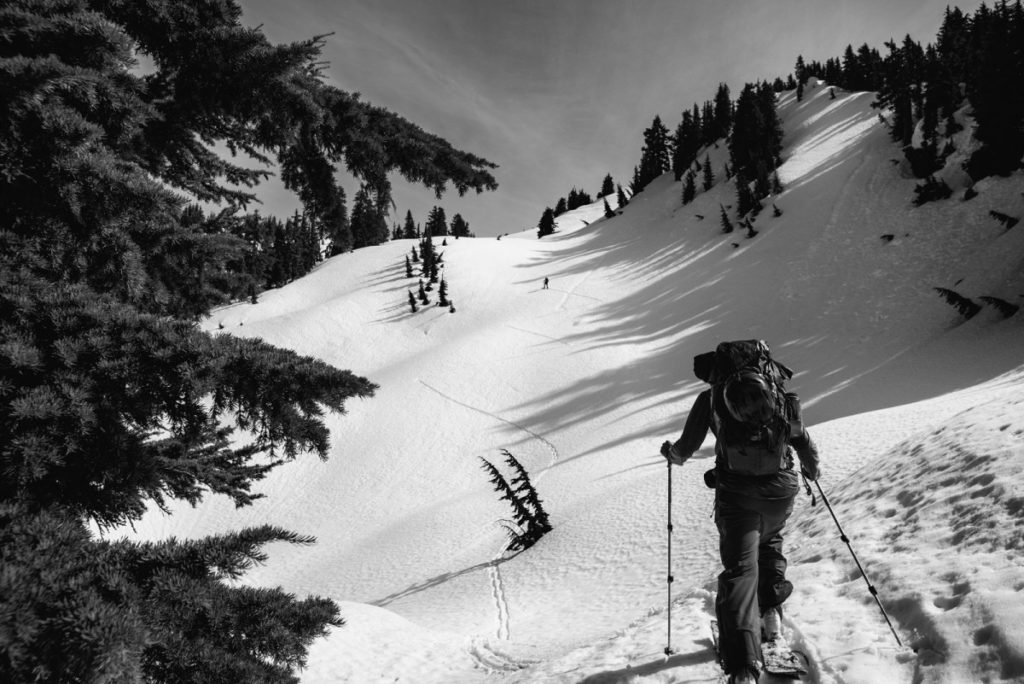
(530, 521)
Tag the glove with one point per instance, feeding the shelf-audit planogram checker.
(669, 453)
(812, 473)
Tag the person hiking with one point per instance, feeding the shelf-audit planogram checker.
(757, 425)
(545, 283)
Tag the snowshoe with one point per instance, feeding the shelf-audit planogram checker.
(779, 659)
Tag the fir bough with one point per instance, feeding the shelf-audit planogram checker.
(111, 398)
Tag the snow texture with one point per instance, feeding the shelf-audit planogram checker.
(919, 416)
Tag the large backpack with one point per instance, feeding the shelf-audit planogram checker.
(751, 411)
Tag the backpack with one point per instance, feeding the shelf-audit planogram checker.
(751, 411)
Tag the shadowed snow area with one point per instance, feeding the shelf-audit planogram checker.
(919, 416)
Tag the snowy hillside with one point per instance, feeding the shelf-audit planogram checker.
(918, 414)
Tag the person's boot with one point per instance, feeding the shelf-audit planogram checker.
(771, 624)
(743, 677)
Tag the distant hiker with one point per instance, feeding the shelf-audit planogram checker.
(755, 422)
(545, 283)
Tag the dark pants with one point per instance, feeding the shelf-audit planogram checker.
(754, 575)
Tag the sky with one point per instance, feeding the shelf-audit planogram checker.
(559, 92)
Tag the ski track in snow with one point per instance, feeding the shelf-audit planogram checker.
(555, 457)
(534, 332)
(503, 631)
(571, 292)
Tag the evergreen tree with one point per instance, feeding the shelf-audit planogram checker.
(709, 175)
(546, 226)
(756, 140)
(746, 202)
(654, 158)
(800, 70)
(437, 223)
(722, 112)
(687, 144)
(1001, 305)
(518, 531)
(423, 294)
(442, 293)
(635, 185)
(282, 265)
(339, 229)
(521, 485)
(364, 219)
(573, 201)
(727, 226)
(459, 227)
(709, 130)
(995, 49)
(412, 302)
(428, 256)
(689, 187)
(408, 268)
(851, 77)
(903, 72)
(607, 186)
(561, 206)
(968, 308)
(608, 213)
(116, 400)
(620, 195)
(409, 229)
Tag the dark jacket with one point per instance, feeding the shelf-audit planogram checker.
(781, 485)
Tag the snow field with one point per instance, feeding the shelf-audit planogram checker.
(582, 382)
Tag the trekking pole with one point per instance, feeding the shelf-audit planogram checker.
(668, 646)
(871, 587)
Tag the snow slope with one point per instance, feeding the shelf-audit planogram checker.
(917, 414)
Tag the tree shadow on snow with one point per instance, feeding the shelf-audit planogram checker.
(439, 580)
(689, 289)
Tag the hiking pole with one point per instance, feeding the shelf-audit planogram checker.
(871, 587)
(668, 646)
